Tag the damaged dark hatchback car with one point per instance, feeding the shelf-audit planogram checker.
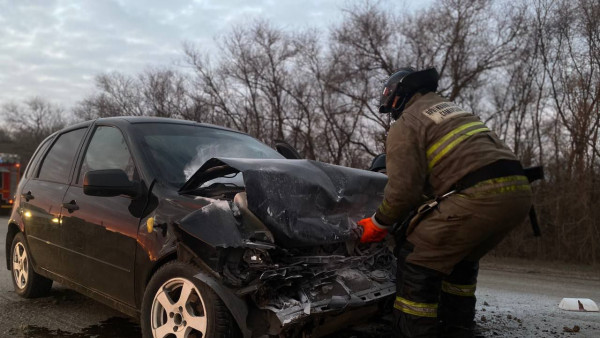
(199, 230)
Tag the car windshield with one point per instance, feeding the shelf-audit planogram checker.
(178, 150)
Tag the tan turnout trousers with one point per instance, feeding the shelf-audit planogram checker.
(468, 224)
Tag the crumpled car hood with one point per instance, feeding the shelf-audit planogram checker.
(302, 202)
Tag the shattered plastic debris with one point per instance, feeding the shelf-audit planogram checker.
(578, 304)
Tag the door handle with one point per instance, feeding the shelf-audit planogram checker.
(71, 206)
(28, 196)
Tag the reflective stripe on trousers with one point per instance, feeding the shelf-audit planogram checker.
(500, 185)
(415, 308)
(459, 290)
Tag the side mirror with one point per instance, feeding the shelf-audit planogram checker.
(108, 183)
(379, 164)
(287, 150)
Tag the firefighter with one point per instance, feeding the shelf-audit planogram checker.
(436, 148)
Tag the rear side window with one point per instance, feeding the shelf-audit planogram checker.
(107, 150)
(57, 163)
(36, 158)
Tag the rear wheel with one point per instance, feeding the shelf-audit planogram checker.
(27, 283)
(178, 305)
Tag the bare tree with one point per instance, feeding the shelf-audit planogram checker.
(464, 39)
(36, 117)
(27, 124)
(364, 52)
(159, 92)
(556, 87)
(165, 93)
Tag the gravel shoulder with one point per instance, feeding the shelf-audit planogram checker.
(516, 304)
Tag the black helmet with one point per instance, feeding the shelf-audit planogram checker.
(402, 85)
(378, 163)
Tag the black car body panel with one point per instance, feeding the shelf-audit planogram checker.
(224, 232)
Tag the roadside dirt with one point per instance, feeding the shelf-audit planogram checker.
(515, 299)
(520, 299)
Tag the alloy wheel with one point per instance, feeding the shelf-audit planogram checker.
(20, 265)
(178, 310)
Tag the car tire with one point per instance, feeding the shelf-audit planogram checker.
(164, 315)
(27, 283)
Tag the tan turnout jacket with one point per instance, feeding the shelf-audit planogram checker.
(431, 146)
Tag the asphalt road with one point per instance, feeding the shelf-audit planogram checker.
(510, 304)
(64, 313)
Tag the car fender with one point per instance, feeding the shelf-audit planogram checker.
(236, 305)
(15, 222)
(199, 224)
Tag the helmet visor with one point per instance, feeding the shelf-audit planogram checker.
(386, 99)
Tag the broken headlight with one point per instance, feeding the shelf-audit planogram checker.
(256, 257)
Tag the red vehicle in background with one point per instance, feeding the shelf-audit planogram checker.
(10, 172)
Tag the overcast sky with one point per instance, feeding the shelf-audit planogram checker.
(55, 48)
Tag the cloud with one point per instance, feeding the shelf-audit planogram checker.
(55, 48)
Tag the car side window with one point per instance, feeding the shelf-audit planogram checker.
(35, 159)
(56, 166)
(107, 150)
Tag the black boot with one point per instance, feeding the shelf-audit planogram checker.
(417, 295)
(457, 301)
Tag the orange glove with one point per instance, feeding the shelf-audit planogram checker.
(372, 230)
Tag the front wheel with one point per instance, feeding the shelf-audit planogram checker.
(27, 283)
(178, 305)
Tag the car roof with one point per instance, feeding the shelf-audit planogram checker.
(152, 119)
(141, 119)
